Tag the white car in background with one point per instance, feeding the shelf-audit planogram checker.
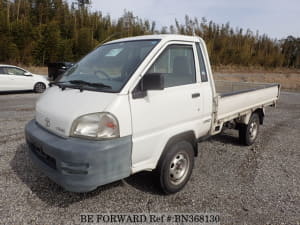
(14, 78)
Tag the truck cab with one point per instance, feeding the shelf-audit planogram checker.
(131, 105)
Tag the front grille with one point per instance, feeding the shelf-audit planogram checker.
(40, 121)
(38, 152)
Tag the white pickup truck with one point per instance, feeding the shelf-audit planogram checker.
(136, 104)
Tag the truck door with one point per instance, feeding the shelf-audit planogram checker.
(162, 114)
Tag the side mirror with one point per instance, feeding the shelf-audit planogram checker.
(27, 74)
(150, 81)
(153, 81)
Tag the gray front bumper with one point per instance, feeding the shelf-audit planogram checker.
(78, 165)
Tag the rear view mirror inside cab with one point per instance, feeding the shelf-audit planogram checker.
(150, 81)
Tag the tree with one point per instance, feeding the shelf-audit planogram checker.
(42, 31)
(83, 3)
(291, 51)
(47, 49)
(85, 42)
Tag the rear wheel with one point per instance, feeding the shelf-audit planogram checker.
(175, 166)
(39, 87)
(248, 133)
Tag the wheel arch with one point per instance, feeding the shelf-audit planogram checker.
(261, 114)
(245, 119)
(39, 82)
(188, 136)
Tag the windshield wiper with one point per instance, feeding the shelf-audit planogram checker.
(78, 84)
(63, 85)
(81, 82)
(57, 83)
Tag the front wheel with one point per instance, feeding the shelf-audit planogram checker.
(248, 133)
(39, 87)
(175, 167)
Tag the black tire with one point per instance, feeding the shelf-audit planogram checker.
(248, 133)
(175, 166)
(39, 87)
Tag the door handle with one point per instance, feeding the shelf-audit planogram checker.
(195, 95)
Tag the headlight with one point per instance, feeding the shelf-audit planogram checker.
(96, 126)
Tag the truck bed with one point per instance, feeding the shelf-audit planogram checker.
(235, 99)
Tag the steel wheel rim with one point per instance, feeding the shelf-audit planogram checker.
(253, 129)
(179, 168)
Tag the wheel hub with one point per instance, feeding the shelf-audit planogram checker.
(178, 168)
(39, 87)
(253, 130)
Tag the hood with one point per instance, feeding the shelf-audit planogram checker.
(57, 109)
(39, 76)
(42, 78)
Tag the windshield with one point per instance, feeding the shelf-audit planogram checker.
(108, 67)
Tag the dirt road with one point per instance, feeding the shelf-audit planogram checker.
(259, 184)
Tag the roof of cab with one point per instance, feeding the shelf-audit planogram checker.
(165, 37)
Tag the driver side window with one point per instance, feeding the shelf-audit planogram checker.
(177, 64)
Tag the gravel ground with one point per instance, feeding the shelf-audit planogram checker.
(259, 184)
